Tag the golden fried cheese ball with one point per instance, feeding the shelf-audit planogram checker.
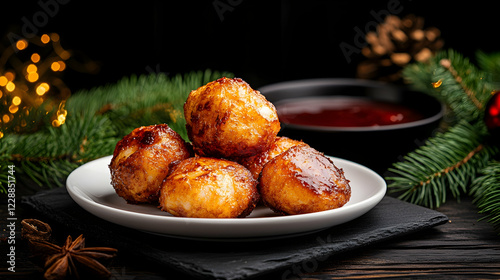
(226, 118)
(202, 187)
(141, 161)
(302, 180)
(256, 163)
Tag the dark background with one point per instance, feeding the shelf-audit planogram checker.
(260, 41)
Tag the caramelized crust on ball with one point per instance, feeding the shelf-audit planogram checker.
(203, 187)
(141, 161)
(257, 162)
(302, 180)
(226, 118)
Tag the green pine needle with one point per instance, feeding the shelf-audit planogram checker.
(454, 80)
(486, 192)
(447, 163)
(490, 63)
(461, 160)
(97, 119)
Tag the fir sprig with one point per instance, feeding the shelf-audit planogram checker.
(446, 163)
(462, 159)
(490, 63)
(486, 192)
(454, 80)
(97, 119)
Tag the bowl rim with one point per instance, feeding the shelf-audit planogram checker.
(347, 82)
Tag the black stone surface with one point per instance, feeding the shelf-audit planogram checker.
(240, 260)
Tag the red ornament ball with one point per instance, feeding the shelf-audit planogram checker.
(492, 114)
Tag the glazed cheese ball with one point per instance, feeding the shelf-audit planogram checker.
(141, 161)
(302, 180)
(257, 162)
(202, 187)
(226, 118)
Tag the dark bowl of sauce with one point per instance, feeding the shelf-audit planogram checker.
(368, 122)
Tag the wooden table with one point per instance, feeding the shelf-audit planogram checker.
(462, 248)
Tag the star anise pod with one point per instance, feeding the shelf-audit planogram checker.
(63, 261)
(33, 229)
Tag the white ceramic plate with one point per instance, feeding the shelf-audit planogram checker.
(89, 186)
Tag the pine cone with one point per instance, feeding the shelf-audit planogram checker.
(396, 43)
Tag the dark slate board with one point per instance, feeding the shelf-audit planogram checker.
(217, 260)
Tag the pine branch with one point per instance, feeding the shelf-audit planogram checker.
(486, 192)
(446, 163)
(97, 119)
(461, 160)
(490, 63)
(454, 80)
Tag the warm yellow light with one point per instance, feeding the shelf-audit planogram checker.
(3, 81)
(10, 86)
(61, 118)
(437, 84)
(61, 115)
(42, 88)
(45, 85)
(6, 118)
(16, 100)
(56, 123)
(32, 77)
(13, 109)
(45, 38)
(1, 134)
(21, 44)
(58, 66)
(35, 57)
(62, 65)
(55, 66)
(31, 68)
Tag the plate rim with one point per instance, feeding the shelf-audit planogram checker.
(92, 206)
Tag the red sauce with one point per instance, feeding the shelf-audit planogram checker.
(344, 112)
